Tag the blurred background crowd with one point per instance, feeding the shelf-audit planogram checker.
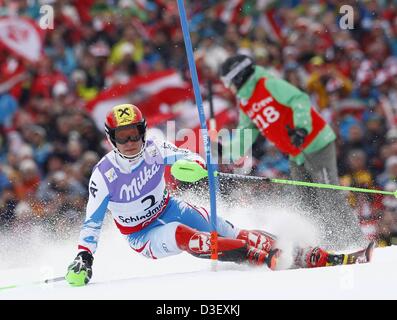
(49, 141)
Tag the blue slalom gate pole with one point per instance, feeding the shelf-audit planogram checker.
(204, 130)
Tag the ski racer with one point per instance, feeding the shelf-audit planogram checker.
(129, 182)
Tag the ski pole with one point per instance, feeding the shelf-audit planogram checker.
(33, 283)
(188, 171)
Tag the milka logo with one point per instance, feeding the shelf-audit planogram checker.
(137, 184)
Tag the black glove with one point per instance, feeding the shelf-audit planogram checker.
(297, 136)
(80, 270)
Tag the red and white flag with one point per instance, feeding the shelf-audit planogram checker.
(230, 11)
(155, 94)
(270, 23)
(22, 37)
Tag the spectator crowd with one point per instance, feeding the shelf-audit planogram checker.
(49, 142)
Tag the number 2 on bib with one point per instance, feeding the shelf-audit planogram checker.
(266, 117)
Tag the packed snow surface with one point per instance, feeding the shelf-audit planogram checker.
(120, 273)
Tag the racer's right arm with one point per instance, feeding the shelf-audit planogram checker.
(95, 212)
(80, 270)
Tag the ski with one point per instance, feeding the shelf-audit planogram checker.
(360, 256)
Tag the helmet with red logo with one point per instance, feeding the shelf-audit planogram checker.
(125, 116)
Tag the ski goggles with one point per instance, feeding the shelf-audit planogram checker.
(227, 79)
(123, 139)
